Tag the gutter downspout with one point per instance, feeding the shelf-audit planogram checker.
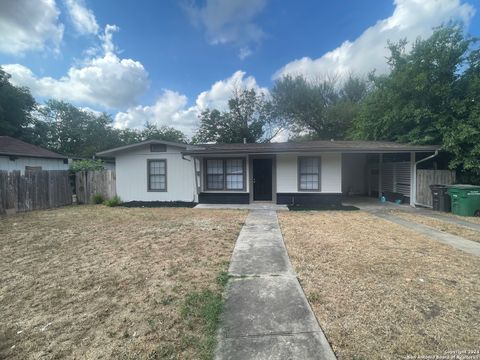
(415, 175)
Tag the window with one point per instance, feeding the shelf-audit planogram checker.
(33, 168)
(157, 175)
(225, 174)
(158, 147)
(309, 173)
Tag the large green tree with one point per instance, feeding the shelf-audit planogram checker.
(167, 133)
(431, 96)
(250, 117)
(318, 109)
(68, 130)
(16, 106)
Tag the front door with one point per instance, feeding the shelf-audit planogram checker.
(262, 179)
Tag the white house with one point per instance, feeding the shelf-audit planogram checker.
(19, 155)
(308, 173)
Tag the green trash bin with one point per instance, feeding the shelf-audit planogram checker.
(465, 199)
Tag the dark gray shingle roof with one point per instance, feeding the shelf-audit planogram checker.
(311, 146)
(14, 147)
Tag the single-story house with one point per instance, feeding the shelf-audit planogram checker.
(312, 172)
(19, 155)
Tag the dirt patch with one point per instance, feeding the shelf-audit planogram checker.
(381, 291)
(94, 282)
(440, 225)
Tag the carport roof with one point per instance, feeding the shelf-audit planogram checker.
(310, 146)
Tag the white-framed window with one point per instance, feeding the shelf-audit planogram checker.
(225, 174)
(309, 173)
(157, 174)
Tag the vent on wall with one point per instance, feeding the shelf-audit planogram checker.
(158, 147)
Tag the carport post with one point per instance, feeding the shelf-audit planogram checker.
(413, 179)
(380, 160)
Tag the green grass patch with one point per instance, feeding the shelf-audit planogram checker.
(203, 310)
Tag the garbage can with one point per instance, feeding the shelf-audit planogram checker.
(441, 199)
(465, 199)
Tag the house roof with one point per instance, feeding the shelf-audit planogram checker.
(311, 146)
(112, 152)
(13, 147)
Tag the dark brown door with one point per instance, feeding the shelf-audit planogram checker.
(262, 179)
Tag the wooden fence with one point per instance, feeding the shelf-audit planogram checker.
(425, 178)
(35, 190)
(89, 183)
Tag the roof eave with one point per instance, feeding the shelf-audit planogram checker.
(346, 150)
(112, 152)
(58, 157)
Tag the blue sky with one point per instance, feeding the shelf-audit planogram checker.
(165, 61)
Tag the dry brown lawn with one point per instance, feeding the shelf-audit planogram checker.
(441, 225)
(381, 291)
(92, 282)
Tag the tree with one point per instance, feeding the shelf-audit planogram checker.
(250, 117)
(318, 109)
(154, 132)
(16, 106)
(431, 96)
(68, 130)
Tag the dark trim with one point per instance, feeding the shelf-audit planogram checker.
(319, 188)
(224, 166)
(223, 198)
(309, 198)
(148, 176)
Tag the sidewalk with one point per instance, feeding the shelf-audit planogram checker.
(266, 314)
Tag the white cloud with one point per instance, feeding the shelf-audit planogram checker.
(171, 107)
(27, 25)
(82, 18)
(106, 80)
(410, 19)
(229, 21)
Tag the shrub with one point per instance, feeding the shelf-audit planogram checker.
(115, 201)
(98, 199)
(86, 165)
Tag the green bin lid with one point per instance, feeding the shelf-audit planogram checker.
(464, 187)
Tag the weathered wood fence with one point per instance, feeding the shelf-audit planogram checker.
(34, 190)
(425, 178)
(89, 183)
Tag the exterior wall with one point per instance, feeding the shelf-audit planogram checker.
(21, 162)
(354, 174)
(131, 174)
(330, 177)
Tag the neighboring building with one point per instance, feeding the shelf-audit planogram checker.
(19, 155)
(311, 172)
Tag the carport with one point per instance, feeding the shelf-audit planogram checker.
(392, 173)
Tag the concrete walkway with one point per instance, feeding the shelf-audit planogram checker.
(457, 242)
(449, 219)
(266, 314)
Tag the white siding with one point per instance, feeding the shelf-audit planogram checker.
(131, 174)
(21, 162)
(331, 172)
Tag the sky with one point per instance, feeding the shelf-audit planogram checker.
(166, 61)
